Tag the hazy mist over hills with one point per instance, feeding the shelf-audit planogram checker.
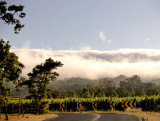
(76, 83)
(93, 64)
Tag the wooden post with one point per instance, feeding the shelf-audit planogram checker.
(146, 102)
(12, 108)
(66, 105)
(150, 106)
(0, 113)
(19, 106)
(6, 113)
(22, 108)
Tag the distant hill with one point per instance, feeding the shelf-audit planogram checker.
(75, 83)
(155, 81)
(70, 83)
(119, 78)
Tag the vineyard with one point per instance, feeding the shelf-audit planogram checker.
(151, 103)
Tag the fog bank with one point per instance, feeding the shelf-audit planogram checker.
(95, 64)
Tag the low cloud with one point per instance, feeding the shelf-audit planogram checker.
(95, 64)
(102, 36)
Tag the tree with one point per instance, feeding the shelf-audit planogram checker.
(107, 85)
(114, 94)
(10, 67)
(39, 78)
(85, 93)
(8, 14)
(132, 84)
(99, 93)
(142, 93)
(71, 94)
(122, 92)
(152, 91)
(55, 93)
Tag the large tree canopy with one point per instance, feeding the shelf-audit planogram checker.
(10, 15)
(10, 67)
(39, 78)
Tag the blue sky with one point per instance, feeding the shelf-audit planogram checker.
(87, 24)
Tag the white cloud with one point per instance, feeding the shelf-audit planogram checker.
(102, 36)
(146, 39)
(94, 64)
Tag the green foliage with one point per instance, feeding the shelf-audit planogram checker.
(71, 94)
(142, 93)
(10, 67)
(122, 92)
(85, 93)
(99, 93)
(39, 78)
(152, 91)
(132, 84)
(133, 92)
(114, 94)
(46, 105)
(55, 93)
(8, 14)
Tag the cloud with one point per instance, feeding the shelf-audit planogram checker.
(146, 39)
(95, 64)
(102, 36)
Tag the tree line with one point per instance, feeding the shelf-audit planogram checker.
(130, 87)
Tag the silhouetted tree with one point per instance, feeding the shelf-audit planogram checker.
(39, 78)
(9, 14)
(10, 67)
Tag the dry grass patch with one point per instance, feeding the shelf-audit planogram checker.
(28, 117)
(143, 116)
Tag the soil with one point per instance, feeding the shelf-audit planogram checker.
(27, 117)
